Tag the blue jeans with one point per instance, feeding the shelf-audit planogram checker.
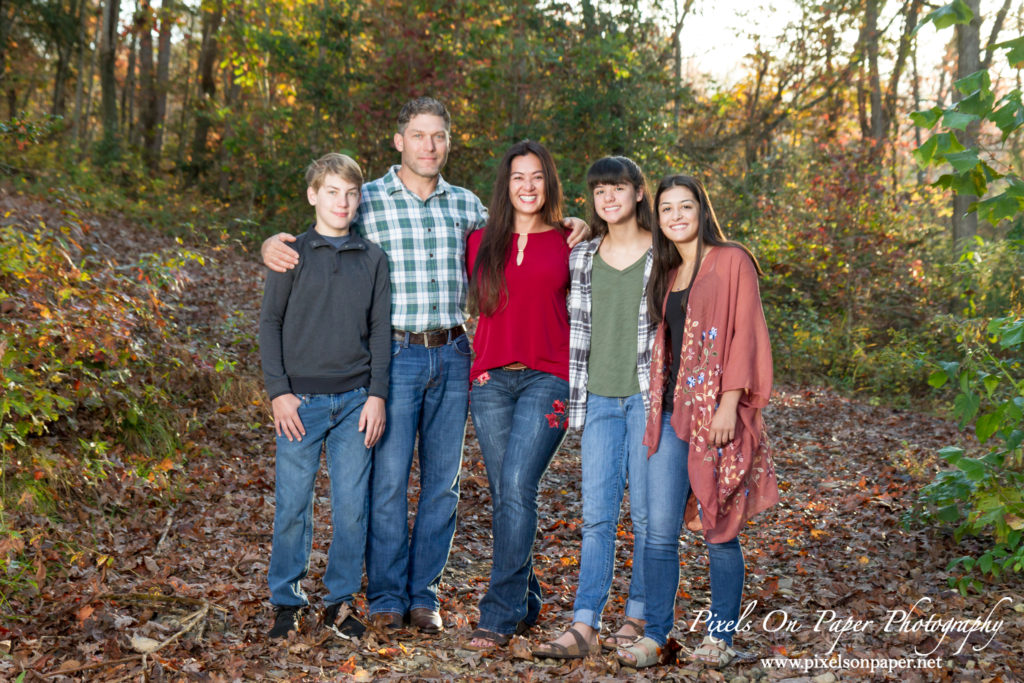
(331, 422)
(668, 487)
(613, 452)
(517, 440)
(428, 397)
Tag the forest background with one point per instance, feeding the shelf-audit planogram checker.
(878, 184)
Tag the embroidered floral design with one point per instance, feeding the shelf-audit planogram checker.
(554, 419)
(482, 379)
(734, 472)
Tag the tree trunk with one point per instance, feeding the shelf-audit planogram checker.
(87, 119)
(76, 123)
(65, 38)
(8, 19)
(212, 15)
(128, 93)
(147, 85)
(163, 71)
(876, 121)
(187, 90)
(968, 43)
(108, 82)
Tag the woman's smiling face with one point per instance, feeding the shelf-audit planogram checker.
(679, 215)
(526, 184)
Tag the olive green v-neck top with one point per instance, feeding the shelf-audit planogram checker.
(614, 316)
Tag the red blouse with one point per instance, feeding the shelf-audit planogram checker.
(531, 325)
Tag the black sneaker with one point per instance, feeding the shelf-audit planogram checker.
(286, 620)
(348, 628)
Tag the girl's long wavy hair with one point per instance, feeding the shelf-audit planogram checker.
(666, 256)
(613, 171)
(487, 283)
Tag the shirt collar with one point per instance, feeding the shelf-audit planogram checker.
(393, 184)
(318, 240)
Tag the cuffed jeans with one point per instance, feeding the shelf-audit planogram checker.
(612, 453)
(331, 422)
(428, 397)
(668, 487)
(519, 417)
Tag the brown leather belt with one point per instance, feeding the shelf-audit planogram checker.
(515, 366)
(430, 338)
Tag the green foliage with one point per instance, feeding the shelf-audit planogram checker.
(19, 133)
(849, 292)
(85, 345)
(984, 495)
(970, 174)
(956, 12)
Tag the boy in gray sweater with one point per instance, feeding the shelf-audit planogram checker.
(325, 330)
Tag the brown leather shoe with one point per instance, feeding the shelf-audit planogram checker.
(426, 620)
(384, 621)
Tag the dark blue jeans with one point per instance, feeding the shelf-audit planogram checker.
(668, 487)
(332, 424)
(519, 427)
(426, 412)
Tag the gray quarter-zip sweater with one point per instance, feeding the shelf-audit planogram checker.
(325, 325)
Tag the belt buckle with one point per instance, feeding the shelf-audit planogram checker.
(426, 340)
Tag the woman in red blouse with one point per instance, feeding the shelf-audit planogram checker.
(519, 267)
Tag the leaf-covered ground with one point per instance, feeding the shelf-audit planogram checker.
(180, 566)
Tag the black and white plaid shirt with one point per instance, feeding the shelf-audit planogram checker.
(581, 265)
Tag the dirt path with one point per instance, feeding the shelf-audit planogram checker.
(187, 559)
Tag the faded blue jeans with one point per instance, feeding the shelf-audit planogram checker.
(427, 405)
(519, 416)
(668, 487)
(612, 453)
(332, 423)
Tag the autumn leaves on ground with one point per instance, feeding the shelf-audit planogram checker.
(157, 572)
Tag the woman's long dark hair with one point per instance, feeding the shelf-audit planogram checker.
(666, 256)
(615, 171)
(487, 283)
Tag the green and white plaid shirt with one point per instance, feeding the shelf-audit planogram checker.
(425, 241)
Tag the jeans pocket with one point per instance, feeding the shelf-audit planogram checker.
(461, 345)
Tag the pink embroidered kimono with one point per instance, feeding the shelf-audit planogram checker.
(725, 346)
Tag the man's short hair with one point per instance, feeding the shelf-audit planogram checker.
(339, 164)
(423, 105)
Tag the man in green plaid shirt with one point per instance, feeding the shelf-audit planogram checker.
(422, 223)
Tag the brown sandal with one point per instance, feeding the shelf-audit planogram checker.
(494, 640)
(630, 632)
(578, 650)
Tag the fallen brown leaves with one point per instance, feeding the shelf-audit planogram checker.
(146, 562)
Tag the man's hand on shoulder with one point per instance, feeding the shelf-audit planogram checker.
(578, 230)
(276, 253)
(372, 421)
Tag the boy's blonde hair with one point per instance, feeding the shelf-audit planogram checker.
(339, 164)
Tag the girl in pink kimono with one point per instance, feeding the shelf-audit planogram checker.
(711, 374)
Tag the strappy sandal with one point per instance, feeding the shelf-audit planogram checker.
(494, 640)
(714, 653)
(641, 654)
(578, 650)
(622, 638)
